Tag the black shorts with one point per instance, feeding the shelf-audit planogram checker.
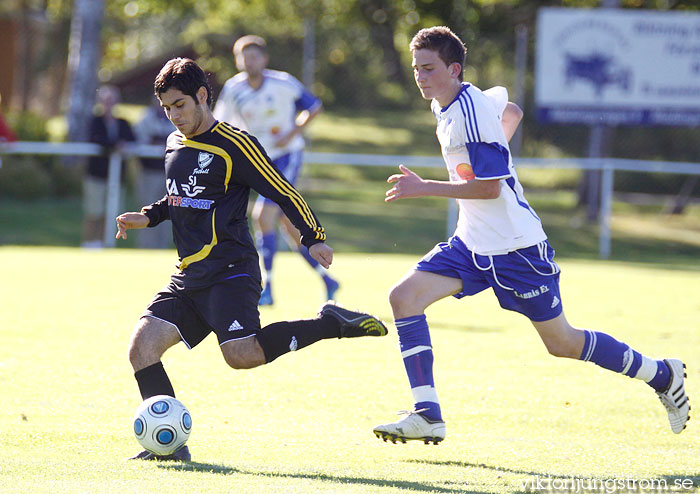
(229, 308)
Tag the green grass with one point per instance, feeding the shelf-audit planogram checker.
(303, 423)
(350, 204)
(40, 222)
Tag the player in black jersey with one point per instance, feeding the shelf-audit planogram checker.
(210, 168)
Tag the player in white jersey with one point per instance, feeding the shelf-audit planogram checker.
(499, 243)
(492, 225)
(274, 107)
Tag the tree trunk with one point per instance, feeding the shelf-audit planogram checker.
(22, 84)
(382, 22)
(589, 187)
(83, 60)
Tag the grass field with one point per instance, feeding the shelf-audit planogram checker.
(303, 423)
(349, 201)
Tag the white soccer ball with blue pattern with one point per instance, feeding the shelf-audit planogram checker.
(162, 425)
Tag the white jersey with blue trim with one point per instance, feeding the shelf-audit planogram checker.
(267, 112)
(474, 147)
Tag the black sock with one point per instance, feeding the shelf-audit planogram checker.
(287, 336)
(153, 381)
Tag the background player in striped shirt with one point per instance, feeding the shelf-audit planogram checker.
(499, 243)
(210, 168)
(275, 107)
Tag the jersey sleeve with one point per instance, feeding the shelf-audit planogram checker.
(488, 152)
(303, 98)
(254, 168)
(498, 96)
(306, 101)
(157, 212)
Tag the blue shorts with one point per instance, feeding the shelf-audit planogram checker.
(525, 280)
(289, 165)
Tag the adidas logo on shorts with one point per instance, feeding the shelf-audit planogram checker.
(235, 326)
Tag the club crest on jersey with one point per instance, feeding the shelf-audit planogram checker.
(203, 161)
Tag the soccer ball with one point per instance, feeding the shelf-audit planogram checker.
(162, 425)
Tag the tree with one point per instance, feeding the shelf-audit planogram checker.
(84, 57)
(381, 18)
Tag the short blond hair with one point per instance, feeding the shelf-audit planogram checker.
(249, 40)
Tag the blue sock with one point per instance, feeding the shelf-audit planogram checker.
(267, 246)
(314, 264)
(305, 254)
(607, 352)
(662, 377)
(417, 353)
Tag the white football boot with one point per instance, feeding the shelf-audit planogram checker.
(674, 397)
(412, 427)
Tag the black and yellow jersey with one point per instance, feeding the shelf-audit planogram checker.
(208, 182)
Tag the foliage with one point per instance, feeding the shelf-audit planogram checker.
(66, 179)
(361, 56)
(24, 178)
(350, 204)
(29, 179)
(355, 39)
(28, 126)
(349, 36)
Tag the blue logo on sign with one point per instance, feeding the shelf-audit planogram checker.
(599, 70)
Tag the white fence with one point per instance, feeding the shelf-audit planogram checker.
(608, 166)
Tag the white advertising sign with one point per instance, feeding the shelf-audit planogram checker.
(618, 66)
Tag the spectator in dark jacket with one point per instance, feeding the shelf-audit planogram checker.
(109, 132)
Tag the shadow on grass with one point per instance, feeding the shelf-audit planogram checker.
(466, 327)
(399, 484)
(464, 464)
(673, 483)
(437, 324)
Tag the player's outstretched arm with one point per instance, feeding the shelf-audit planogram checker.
(409, 184)
(303, 119)
(406, 184)
(127, 221)
(322, 253)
